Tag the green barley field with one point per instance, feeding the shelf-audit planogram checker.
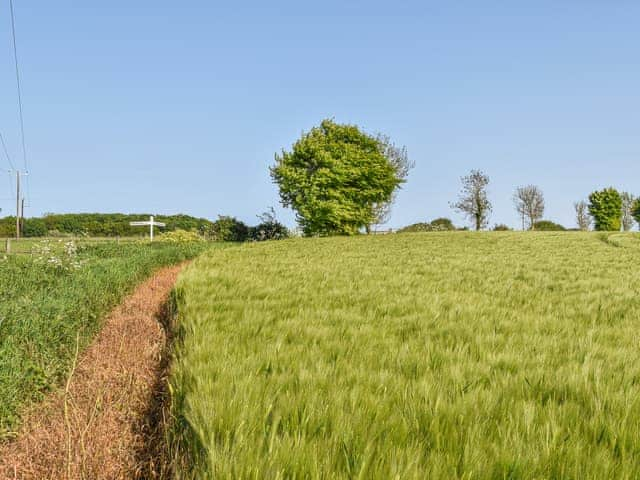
(417, 356)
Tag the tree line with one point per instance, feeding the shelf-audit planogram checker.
(606, 210)
(96, 224)
(225, 228)
(340, 180)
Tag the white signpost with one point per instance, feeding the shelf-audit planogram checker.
(151, 223)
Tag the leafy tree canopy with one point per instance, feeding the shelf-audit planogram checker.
(333, 178)
(605, 206)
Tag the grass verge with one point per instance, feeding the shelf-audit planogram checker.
(47, 309)
(442, 355)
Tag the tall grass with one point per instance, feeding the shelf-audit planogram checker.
(442, 355)
(45, 311)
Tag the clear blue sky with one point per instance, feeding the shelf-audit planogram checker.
(179, 106)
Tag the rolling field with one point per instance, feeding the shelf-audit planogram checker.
(441, 355)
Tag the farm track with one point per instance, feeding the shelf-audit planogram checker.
(104, 423)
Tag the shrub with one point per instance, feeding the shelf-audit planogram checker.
(416, 227)
(605, 206)
(181, 236)
(229, 229)
(437, 225)
(269, 228)
(501, 227)
(548, 226)
(442, 223)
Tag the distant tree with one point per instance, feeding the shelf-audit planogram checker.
(583, 219)
(529, 202)
(399, 159)
(548, 226)
(636, 211)
(333, 178)
(605, 206)
(473, 201)
(501, 227)
(628, 201)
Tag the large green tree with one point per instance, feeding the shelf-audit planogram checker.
(605, 206)
(334, 177)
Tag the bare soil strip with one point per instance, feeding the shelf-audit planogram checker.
(103, 423)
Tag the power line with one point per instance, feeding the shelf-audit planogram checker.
(6, 152)
(15, 57)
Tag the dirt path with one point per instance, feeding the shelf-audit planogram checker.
(101, 426)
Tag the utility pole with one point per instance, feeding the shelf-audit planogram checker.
(22, 216)
(17, 204)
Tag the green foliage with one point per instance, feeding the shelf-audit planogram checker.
(548, 226)
(333, 178)
(34, 227)
(229, 229)
(501, 227)
(459, 355)
(438, 225)
(45, 307)
(269, 228)
(181, 236)
(442, 224)
(605, 206)
(98, 224)
(416, 227)
(8, 227)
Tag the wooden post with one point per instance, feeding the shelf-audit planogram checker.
(8, 245)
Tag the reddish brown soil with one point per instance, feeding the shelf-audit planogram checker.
(101, 425)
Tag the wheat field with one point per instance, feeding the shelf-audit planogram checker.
(440, 355)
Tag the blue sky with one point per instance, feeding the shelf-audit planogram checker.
(174, 107)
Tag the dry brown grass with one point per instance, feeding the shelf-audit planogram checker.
(104, 424)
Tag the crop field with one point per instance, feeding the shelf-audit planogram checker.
(52, 303)
(438, 355)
